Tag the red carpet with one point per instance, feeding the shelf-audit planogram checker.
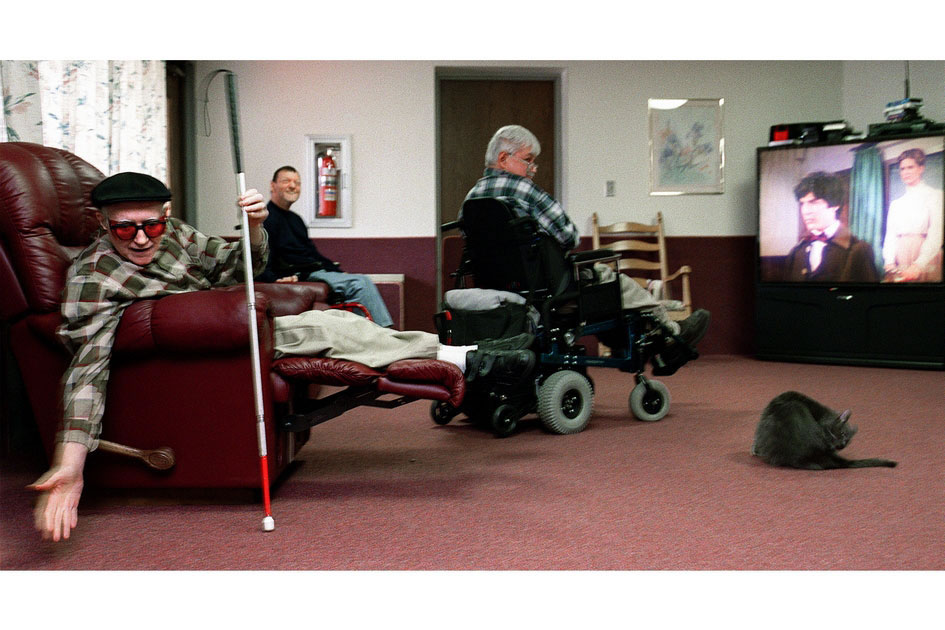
(381, 489)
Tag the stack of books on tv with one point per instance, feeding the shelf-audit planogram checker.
(906, 109)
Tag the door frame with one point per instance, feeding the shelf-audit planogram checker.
(557, 75)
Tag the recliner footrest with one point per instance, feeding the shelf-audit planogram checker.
(411, 379)
(325, 371)
(425, 378)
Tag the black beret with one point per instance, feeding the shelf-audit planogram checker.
(129, 187)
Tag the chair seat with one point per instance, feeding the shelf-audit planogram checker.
(673, 305)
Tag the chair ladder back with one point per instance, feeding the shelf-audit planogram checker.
(649, 242)
(664, 268)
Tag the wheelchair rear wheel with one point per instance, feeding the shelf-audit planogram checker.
(565, 401)
(649, 401)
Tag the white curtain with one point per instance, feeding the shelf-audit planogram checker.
(113, 114)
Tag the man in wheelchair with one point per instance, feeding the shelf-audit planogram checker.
(509, 168)
(516, 239)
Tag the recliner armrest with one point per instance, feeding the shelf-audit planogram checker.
(198, 321)
(213, 320)
(216, 319)
(292, 298)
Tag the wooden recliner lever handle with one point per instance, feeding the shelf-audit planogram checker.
(158, 458)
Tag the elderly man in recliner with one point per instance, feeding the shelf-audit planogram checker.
(143, 252)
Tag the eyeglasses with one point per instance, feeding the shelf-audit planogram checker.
(128, 231)
(529, 164)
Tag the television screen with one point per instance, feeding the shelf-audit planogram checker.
(868, 211)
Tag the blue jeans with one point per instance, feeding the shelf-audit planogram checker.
(355, 287)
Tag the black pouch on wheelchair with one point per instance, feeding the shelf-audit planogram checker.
(459, 327)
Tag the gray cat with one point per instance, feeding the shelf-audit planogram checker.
(799, 432)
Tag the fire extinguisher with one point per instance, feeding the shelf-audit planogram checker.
(327, 185)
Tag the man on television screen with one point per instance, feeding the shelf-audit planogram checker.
(828, 252)
(912, 249)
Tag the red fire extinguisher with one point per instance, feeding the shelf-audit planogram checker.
(327, 185)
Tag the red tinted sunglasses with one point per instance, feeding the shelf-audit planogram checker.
(127, 231)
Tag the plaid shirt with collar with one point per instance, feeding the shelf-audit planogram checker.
(528, 200)
(101, 284)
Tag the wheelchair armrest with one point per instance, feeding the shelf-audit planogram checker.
(592, 255)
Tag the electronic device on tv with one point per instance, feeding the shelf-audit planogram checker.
(801, 133)
(889, 312)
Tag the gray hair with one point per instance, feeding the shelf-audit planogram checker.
(510, 139)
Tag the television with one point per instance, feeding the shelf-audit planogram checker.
(882, 197)
(849, 252)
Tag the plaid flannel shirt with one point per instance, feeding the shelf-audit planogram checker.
(101, 284)
(528, 200)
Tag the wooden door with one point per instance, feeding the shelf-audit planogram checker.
(470, 111)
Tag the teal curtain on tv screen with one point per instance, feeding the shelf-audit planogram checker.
(867, 194)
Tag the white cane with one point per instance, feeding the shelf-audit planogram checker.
(268, 523)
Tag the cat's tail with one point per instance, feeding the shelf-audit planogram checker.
(870, 463)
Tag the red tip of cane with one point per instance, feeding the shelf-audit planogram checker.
(264, 464)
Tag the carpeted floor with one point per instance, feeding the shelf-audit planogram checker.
(391, 490)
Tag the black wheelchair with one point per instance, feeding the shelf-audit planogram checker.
(572, 299)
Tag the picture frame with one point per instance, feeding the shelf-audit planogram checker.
(332, 207)
(687, 146)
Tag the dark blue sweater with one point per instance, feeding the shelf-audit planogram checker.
(289, 245)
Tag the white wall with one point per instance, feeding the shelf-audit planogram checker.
(607, 135)
(869, 85)
(388, 108)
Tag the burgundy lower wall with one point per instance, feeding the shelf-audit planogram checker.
(722, 279)
(415, 257)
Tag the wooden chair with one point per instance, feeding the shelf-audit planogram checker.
(643, 255)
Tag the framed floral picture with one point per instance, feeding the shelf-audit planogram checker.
(687, 147)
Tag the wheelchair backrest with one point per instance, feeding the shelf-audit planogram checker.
(511, 253)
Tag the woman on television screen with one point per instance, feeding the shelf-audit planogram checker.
(912, 249)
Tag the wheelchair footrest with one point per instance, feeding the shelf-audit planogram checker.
(672, 357)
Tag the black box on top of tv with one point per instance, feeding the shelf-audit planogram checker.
(810, 132)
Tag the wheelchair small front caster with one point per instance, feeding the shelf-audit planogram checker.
(649, 400)
(442, 412)
(504, 421)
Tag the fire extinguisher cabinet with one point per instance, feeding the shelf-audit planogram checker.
(327, 181)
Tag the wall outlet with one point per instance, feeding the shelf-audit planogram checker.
(610, 188)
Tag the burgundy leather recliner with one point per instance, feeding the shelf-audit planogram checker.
(181, 377)
(181, 374)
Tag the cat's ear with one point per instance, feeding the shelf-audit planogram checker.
(845, 416)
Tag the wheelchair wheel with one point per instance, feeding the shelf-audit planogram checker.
(504, 421)
(649, 401)
(565, 401)
(442, 412)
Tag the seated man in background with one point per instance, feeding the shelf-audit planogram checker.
(293, 256)
(143, 252)
(828, 252)
(510, 166)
